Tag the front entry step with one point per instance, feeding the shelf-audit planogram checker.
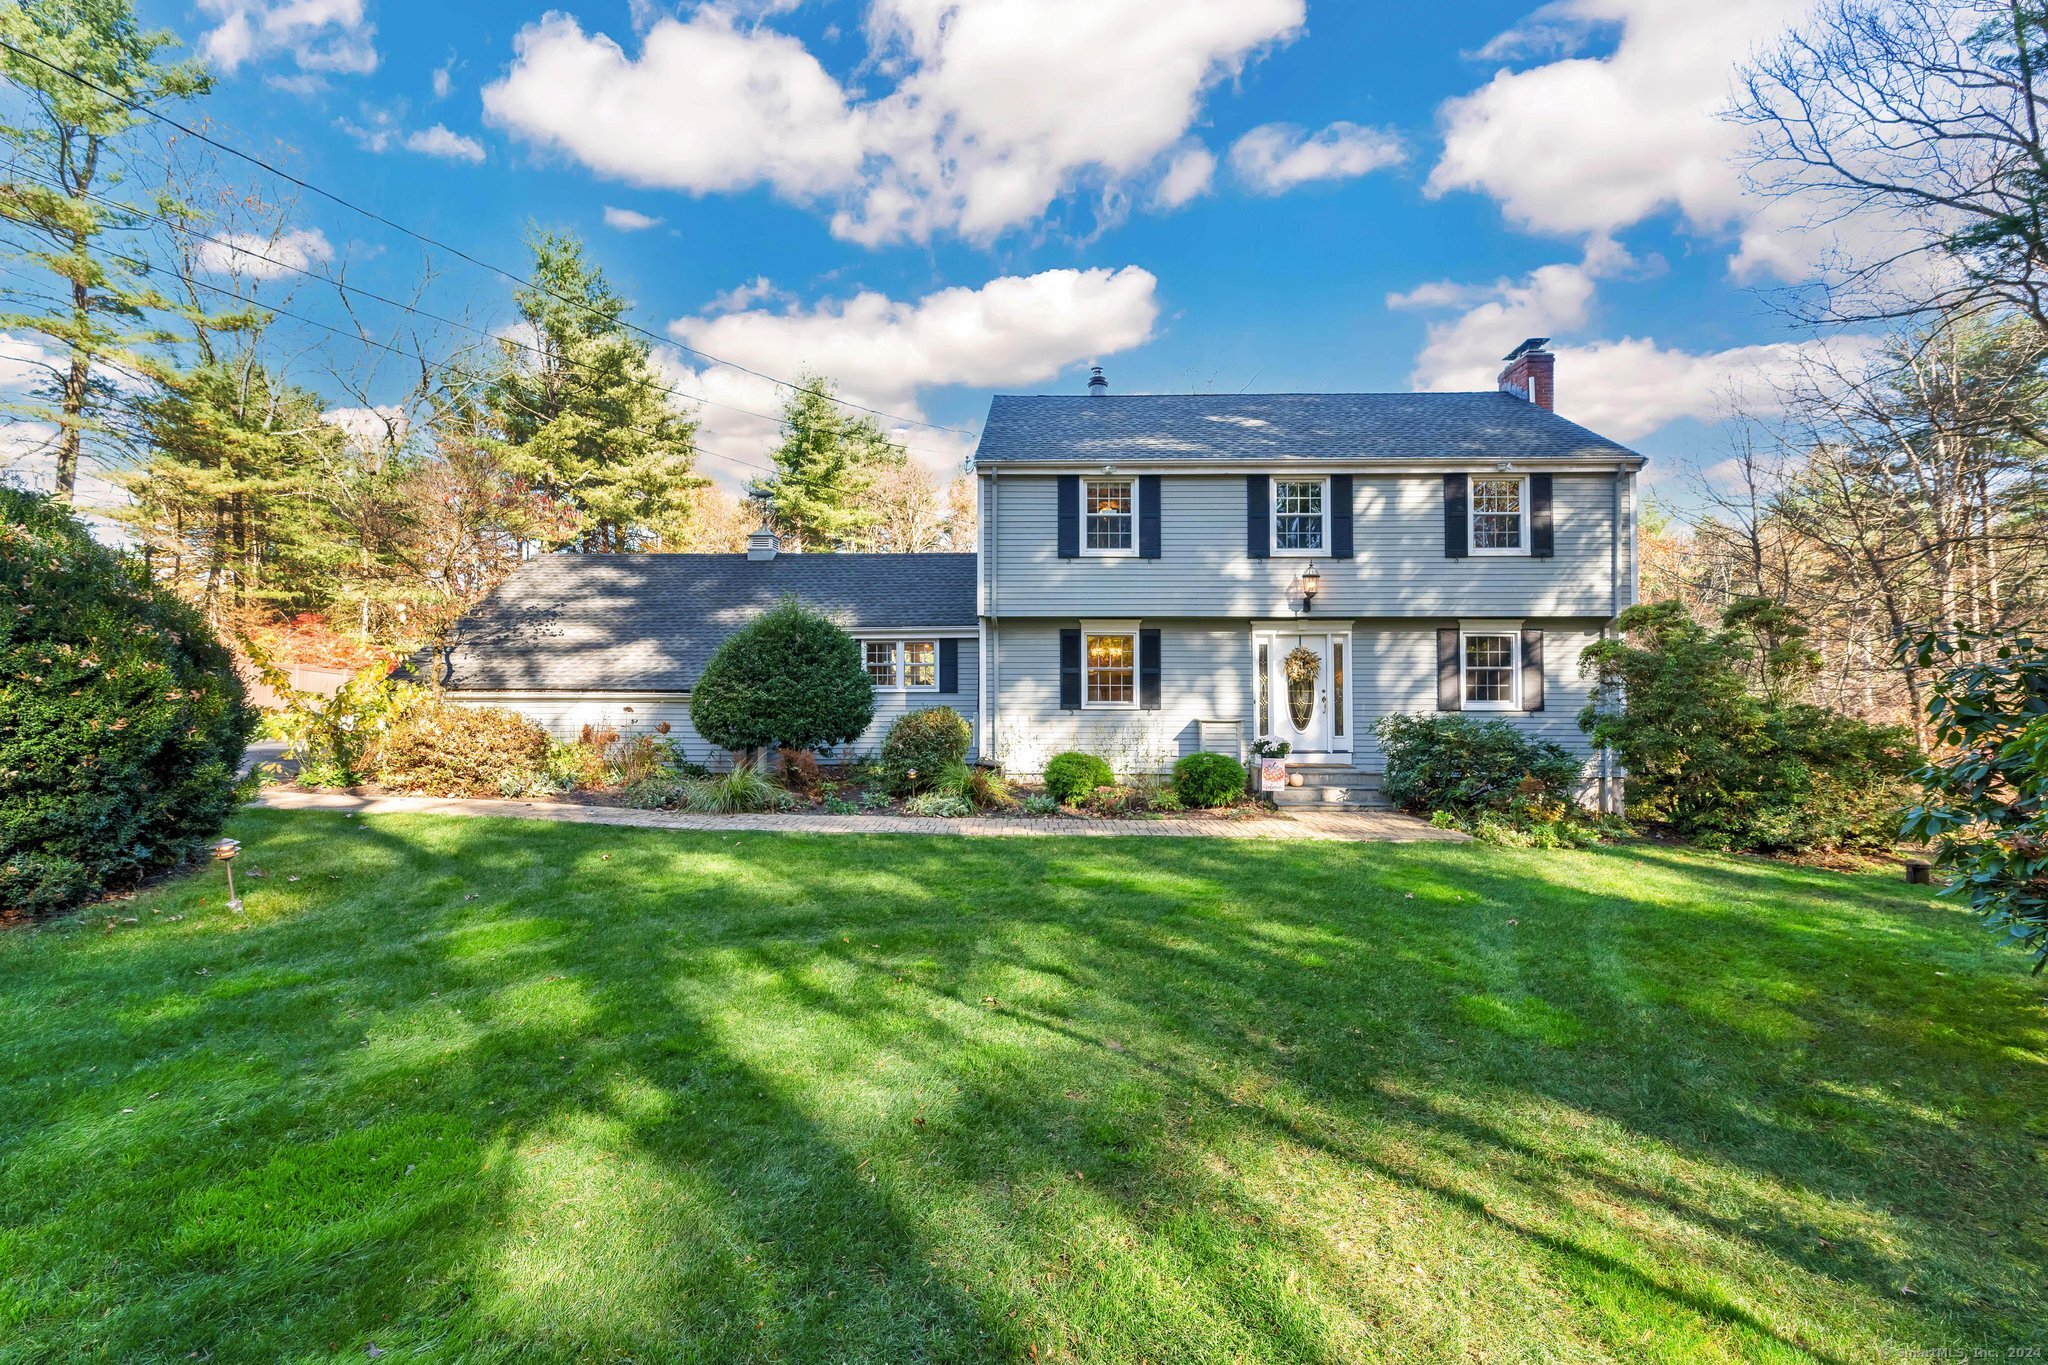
(1331, 786)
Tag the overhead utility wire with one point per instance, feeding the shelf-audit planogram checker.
(424, 239)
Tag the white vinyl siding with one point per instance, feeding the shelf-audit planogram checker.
(564, 714)
(1399, 568)
(1207, 673)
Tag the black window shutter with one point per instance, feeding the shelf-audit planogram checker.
(1450, 685)
(1340, 516)
(949, 665)
(1258, 516)
(1148, 670)
(1542, 539)
(1070, 670)
(1532, 670)
(1148, 516)
(1457, 489)
(1070, 516)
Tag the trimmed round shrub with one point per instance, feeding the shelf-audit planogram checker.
(790, 679)
(122, 723)
(1208, 780)
(1070, 777)
(926, 743)
(446, 750)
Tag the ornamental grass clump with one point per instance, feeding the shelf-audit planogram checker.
(742, 791)
(122, 722)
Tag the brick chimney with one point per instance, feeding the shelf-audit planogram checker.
(1531, 373)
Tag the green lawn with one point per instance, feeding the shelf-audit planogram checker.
(489, 1090)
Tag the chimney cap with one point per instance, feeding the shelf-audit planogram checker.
(1096, 383)
(1531, 345)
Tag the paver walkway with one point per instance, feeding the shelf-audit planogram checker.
(1342, 826)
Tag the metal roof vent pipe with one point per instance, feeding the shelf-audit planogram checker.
(1097, 385)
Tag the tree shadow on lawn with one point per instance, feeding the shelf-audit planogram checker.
(1922, 1143)
(952, 1099)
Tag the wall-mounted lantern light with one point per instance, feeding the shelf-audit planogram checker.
(1311, 584)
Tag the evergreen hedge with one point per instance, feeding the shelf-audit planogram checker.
(122, 722)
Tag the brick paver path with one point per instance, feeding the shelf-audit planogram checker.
(1343, 826)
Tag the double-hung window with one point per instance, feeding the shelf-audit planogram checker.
(1110, 665)
(1300, 516)
(921, 665)
(881, 661)
(1109, 516)
(1492, 670)
(902, 665)
(1500, 516)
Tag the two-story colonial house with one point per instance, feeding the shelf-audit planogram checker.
(1159, 574)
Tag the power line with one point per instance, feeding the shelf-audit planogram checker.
(457, 252)
(242, 249)
(474, 376)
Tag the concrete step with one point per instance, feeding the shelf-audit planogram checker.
(1357, 798)
(1337, 777)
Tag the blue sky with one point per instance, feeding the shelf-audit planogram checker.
(932, 200)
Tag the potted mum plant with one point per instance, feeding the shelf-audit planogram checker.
(1269, 765)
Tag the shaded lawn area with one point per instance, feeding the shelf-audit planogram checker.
(492, 1090)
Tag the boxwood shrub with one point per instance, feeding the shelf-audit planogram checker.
(1206, 781)
(122, 722)
(1071, 777)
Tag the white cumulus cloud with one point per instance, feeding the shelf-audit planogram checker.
(322, 36)
(1624, 388)
(256, 256)
(629, 220)
(887, 353)
(995, 111)
(440, 141)
(1588, 145)
(1188, 175)
(1276, 157)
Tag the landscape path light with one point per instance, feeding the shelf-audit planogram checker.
(224, 852)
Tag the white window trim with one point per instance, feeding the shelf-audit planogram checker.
(1472, 516)
(1273, 518)
(1511, 629)
(1093, 629)
(1132, 551)
(899, 656)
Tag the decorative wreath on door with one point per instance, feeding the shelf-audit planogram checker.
(1301, 666)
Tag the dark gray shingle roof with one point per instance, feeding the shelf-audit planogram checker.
(628, 623)
(1282, 426)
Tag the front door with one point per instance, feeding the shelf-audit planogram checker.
(1304, 697)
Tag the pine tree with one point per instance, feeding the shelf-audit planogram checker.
(232, 503)
(59, 197)
(826, 470)
(581, 413)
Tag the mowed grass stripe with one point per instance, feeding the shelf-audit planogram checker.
(492, 1090)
